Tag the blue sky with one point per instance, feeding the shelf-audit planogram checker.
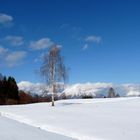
(100, 39)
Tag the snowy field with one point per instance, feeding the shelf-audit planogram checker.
(83, 119)
(13, 130)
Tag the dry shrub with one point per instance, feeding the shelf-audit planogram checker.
(25, 98)
(11, 102)
(2, 102)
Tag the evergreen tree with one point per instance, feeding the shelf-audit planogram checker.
(12, 89)
(8, 90)
(111, 93)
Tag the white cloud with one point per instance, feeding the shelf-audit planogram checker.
(3, 51)
(38, 59)
(11, 58)
(41, 44)
(85, 47)
(5, 19)
(59, 46)
(93, 38)
(15, 58)
(14, 40)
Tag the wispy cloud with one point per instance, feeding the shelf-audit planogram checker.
(15, 58)
(93, 38)
(3, 51)
(5, 19)
(38, 59)
(11, 58)
(64, 26)
(85, 47)
(70, 28)
(89, 40)
(14, 40)
(41, 44)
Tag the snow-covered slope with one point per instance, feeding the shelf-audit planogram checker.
(83, 119)
(34, 88)
(13, 130)
(101, 89)
(79, 90)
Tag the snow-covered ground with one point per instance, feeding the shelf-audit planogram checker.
(83, 119)
(13, 130)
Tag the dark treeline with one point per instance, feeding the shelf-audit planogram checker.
(8, 90)
(10, 95)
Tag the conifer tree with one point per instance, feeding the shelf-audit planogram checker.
(111, 93)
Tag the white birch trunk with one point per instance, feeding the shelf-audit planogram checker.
(53, 94)
(53, 85)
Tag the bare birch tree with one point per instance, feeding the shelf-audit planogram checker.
(53, 69)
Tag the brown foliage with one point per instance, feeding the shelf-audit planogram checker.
(11, 102)
(2, 102)
(25, 98)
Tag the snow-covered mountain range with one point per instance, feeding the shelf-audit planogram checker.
(86, 89)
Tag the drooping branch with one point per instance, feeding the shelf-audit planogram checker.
(53, 69)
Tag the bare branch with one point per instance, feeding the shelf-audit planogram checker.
(53, 69)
